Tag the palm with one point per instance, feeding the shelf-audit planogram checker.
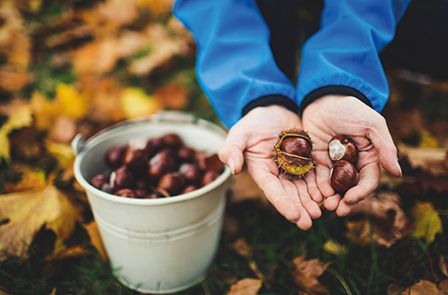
(332, 115)
(255, 136)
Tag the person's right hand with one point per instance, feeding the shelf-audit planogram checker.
(253, 139)
(338, 114)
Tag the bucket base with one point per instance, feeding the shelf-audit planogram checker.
(200, 278)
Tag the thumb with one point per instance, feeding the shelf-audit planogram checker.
(231, 152)
(385, 146)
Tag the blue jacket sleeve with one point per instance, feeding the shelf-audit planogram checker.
(343, 56)
(234, 63)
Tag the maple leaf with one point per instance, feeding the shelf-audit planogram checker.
(23, 213)
(21, 118)
(427, 221)
(247, 286)
(32, 178)
(306, 274)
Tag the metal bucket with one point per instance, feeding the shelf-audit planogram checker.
(156, 245)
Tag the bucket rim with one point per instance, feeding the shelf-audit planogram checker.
(81, 147)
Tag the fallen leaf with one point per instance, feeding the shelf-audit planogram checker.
(389, 222)
(95, 239)
(443, 287)
(74, 103)
(430, 160)
(443, 266)
(23, 214)
(20, 119)
(423, 288)
(307, 272)
(45, 111)
(241, 247)
(136, 103)
(32, 178)
(427, 221)
(334, 247)
(173, 95)
(63, 252)
(247, 286)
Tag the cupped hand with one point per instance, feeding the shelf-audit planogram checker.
(252, 139)
(337, 114)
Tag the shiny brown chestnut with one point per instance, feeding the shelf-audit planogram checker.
(115, 155)
(99, 181)
(127, 193)
(343, 176)
(191, 172)
(135, 159)
(210, 162)
(172, 140)
(342, 147)
(173, 183)
(296, 146)
(208, 177)
(121, 178)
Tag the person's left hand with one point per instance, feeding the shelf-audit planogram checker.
(253, 138)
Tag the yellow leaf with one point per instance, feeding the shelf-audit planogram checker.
(21, 118)
(24, 213)
(136, 103)
(31, 179)
(45, 111)
(427, 221)
(334, 248)
(62, 152)
(74, 104)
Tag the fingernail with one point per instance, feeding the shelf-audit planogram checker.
(231, 165)
(399, 169)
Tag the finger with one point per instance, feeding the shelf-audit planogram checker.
(304, 221)
(231, 152)
(368, 181)
(332, 202)
(323, 181)
(304, 197)
(344, 209)
(275, 193)
(384, 144)
(313, 190)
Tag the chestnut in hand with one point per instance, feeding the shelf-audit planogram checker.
(342, 147)
(343, 176)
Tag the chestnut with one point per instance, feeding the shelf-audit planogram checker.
(127, 193)
(208, 177)
(121, 178)
(343, 176)
(172, 140)
(173, 183)
(99, 181)
(135, 159)
(210, 162)
(159, 165)
(297, 146)
(114, 156)
(186, 153)
(191, 172)
(342, 147)
(190, 188)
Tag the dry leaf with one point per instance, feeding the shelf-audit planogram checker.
(63, 252)
(173, 95)
(246, 286)
(32, 178)
(443, 266)
(423, 288)
(136, 103)
(23, 214)
(306, 274)
(389, 221)
(21, 118)
(430, 160)
(427, 221)
(95, 238)
(74, 104)
(443, 287)
(334, 247)
(241, 247)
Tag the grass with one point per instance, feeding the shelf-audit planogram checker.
(274, 243)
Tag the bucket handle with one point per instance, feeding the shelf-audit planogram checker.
(79, 143)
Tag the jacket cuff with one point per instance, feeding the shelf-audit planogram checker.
(270, 100)
(334, 89)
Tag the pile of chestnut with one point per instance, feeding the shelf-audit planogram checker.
(345, 154)
(157, 167)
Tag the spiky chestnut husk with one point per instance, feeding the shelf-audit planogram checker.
(299, 162)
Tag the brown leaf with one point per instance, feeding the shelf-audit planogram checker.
(430, 160)
(423, 288)
(31, 178)
(389, 221)
(247, 286)
(173, 95)
(443, 266)
(443, 287)
(306, 274)
(95, 238)
(23, 214)
(241, 247)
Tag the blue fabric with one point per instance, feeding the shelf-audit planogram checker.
(235, 65)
